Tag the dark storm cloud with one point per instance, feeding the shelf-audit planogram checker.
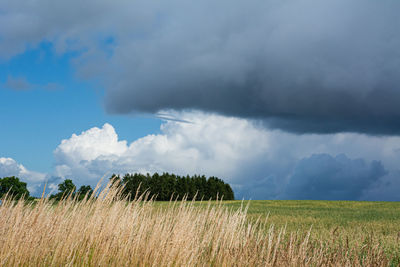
(302, 66)
(385, 189)
(324, 177)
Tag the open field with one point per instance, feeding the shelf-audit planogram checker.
(342, 221)
(108, 231)
(381, 219)
(355, 220)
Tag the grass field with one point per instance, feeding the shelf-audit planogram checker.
(108, 231)
(380, 218)
(341, 221)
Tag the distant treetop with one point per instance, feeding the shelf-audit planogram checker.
(67, 188)
(14, 187)
(166, 186)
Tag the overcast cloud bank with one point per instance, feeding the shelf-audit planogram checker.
(302, 66)
(322, 176)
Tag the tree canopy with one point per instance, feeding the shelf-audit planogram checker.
(67, 188)
(160, 186)
(14, 187)
(164, 186)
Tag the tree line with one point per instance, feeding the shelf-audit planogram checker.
(161, 187)
(16, 189)
(166, 186)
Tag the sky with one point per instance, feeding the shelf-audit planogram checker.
(281, 99)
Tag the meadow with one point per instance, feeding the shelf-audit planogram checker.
(348, 221)
(380, 219)
(110, 231)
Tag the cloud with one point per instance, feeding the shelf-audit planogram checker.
(35, 180)
(208, 145)
(22, 84)
(301, 66)
(75, 155)
(385, 189)
(324, 177)
(257, 162)
(17, 83)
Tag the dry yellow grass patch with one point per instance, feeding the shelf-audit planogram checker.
(109, 231)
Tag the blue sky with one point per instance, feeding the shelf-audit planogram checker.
(288, 100)
(37, 119)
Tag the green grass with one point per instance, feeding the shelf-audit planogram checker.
(356, 218)
(356, 221)
(379, 217)
(352, 220)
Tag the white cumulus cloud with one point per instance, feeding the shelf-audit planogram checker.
(258, 162)
(10, 167)
(207, 144)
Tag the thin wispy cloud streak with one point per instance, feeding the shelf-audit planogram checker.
(170, 117)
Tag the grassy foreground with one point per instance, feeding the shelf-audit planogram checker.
(108, 231)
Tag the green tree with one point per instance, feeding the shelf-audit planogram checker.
(166, 185)
(14, 187)
(83, 191)
(133, 185)
(65, 189)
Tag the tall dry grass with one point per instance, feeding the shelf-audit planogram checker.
(109, 231)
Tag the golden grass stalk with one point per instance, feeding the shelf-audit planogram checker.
(110, 231)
